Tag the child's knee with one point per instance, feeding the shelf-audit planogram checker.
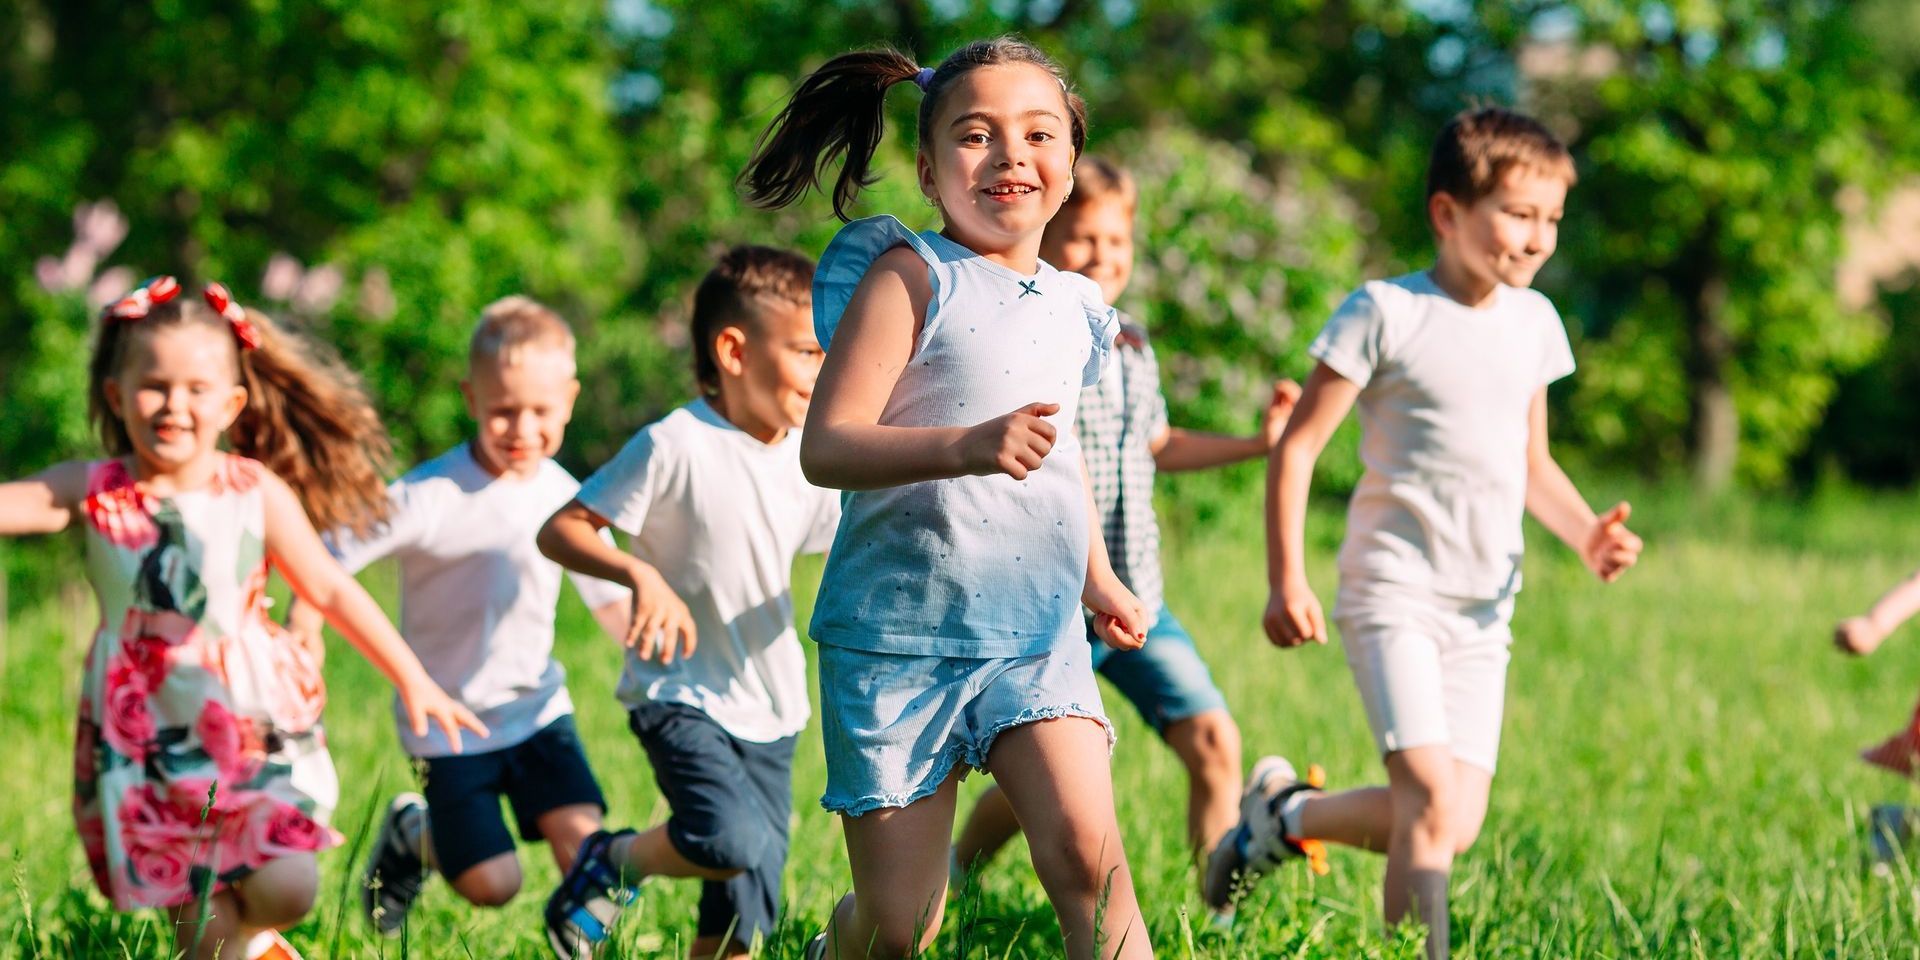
(899, 931)
(1080, 859)
(725, 840)
(280, 893)
(1209, 743)
(1466, 828)
(490, 883)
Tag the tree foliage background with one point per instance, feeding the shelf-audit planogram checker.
(376, 170)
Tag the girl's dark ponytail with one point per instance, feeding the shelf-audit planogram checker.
(839, 109)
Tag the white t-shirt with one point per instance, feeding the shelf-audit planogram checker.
(476, 596)
(721, 516)
(1444, 394)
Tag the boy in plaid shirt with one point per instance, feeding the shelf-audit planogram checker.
(1126, 439)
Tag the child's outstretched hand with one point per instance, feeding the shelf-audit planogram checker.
(1286, 394)
(1294, 617)
(1013, 444)
(1610, 548)
(660, 618)
(1119, 618)
(1858, 636)
(425, 701)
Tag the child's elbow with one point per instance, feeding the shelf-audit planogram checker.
(548, 540)
(816, 464)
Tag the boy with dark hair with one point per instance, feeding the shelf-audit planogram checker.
(716, 507)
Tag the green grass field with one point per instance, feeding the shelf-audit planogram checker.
(1677, 774)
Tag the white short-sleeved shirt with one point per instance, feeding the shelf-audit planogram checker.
(721, 516)
(1444, 393)
(476, 596)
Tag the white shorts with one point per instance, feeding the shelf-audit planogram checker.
(1432, 670)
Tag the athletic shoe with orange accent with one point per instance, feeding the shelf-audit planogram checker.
(270, 945)
(1258, 843)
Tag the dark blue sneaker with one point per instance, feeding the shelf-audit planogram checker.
(582, 911)
(395, 870)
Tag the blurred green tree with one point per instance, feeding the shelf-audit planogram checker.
(1715, 140)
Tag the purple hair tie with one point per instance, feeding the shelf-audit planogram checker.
(924, 78)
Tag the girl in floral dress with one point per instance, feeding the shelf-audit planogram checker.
(202, 783)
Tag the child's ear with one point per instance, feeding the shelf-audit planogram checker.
(923, 168)
(730, 351)
(466, 392)
(236, 402)
(1441, 208)
(111, 390)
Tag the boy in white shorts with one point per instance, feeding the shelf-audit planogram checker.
(1450, 368)
(716, 681)
(477, 606)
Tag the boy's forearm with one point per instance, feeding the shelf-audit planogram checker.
(852, 456)
(573, 541)
(1194, 450)
(1897, 605)
(1289, 478)
(1556, 502)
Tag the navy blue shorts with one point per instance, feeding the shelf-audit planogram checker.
(1165, 680)
(542, 773)
(730, 801)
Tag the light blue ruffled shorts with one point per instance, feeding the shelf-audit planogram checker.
(895, 724)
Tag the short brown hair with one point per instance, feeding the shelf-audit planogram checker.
(514, 324)
(732, 293)
(1097, 178)
(1478, 148)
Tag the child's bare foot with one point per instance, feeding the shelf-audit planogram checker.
(1897, 753)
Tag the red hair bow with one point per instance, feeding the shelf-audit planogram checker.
(158, 290)
(222, 303)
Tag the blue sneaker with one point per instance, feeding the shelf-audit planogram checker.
(582, 911)
(395, 869)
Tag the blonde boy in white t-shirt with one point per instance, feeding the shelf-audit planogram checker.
(1450, 370)
(477, 606)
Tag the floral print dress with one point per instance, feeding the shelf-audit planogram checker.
(199, 755)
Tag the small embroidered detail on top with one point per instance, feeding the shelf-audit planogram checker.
(1029, 286)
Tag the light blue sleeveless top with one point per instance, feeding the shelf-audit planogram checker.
(970, 566)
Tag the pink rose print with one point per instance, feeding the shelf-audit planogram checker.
(233, 742)
(301, 692)
(282, 829)
(159, 641)
(128, 724)
(118, 510)
(151, 818)
(160, 872)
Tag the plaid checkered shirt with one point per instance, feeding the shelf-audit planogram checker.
(1118, 419)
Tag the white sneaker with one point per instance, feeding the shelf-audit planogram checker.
(1258, 843)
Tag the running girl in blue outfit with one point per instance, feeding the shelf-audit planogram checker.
(948, 617)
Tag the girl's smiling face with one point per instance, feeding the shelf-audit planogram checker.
(999, 159)
(177, 391)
